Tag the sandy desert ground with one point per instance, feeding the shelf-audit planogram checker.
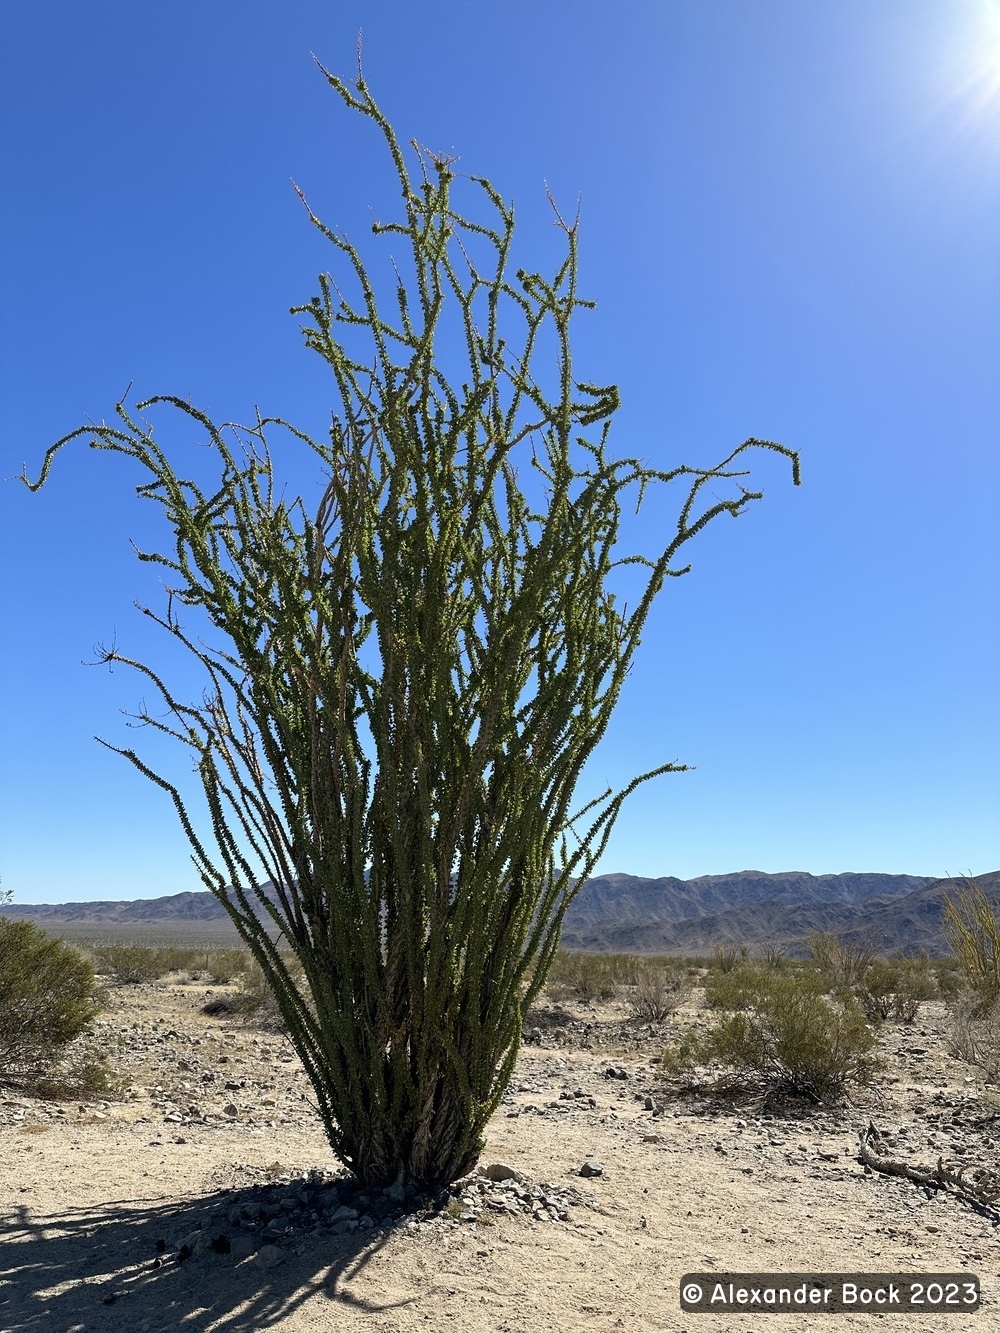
(205, 1201)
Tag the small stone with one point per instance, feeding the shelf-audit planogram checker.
(269, 1256)
(241, 1247)
(230, 1110)
(195, 1242)
(590, 1168)
(498, 1171)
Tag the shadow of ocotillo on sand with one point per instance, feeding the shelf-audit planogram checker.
(146, 1265)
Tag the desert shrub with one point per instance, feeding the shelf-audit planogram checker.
(726, 957)
(679, 1058)
(789, 1039)
(587, 976)
(732, 989)
(184, 959)
(840, 963)
(79, 1078)
(660, 986)
(129, 964)
(974, 1033)
(224, 965)
(948, 977)
(772, 956)
(877, 990)
(47, 998)
(974, 933)
(895, 988)
(253, 1000)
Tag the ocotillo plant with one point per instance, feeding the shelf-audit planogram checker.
(407, 683)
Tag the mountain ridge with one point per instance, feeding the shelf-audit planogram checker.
(900, 918)
(618, 912)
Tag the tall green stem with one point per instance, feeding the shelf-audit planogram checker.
(407, 683)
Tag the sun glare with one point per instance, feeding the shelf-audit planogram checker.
(975, 90)
(952, 70)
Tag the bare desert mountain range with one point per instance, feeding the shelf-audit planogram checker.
(894, 913)
(632, 914)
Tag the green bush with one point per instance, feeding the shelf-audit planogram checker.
(735, 988)
(840, 963)
(225, 965)
(948, 977)
(894, 988)
(787, 1038)
(47, 998)
(79, 1079)
(588, 976)
(681, 1056)
(130, 964)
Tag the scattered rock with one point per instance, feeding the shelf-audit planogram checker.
(269, 1256)
(497, 1171)
(193, 1243)
(241, 1247)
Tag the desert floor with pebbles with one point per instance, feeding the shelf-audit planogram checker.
(208, 1199)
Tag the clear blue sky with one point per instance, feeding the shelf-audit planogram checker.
(790, 223)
